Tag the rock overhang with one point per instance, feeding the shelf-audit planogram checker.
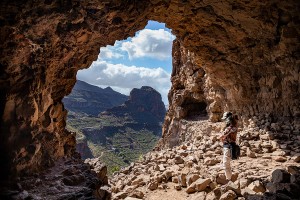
(239, 56)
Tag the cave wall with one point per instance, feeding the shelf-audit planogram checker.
(241, 56)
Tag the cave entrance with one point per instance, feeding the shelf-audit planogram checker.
(118, 104)
(195, 108)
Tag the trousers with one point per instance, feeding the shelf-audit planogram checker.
(226, 162)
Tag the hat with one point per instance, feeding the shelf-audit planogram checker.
(226, 115)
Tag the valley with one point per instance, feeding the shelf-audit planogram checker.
(118, 134)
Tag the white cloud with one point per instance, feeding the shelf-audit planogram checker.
(109, 52)
(150, 43)
(123, 78)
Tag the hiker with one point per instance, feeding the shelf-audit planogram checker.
(228, 138)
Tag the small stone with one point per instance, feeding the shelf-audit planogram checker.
(175, 179)
(296, 158)
(191, 189)
(201, 184)
(221, 179)
(210, 161)
(182, 180)
(280, 159)
(137, 181)
(137, 194)
(168, 174)
(210, 196)
(184, 147)
(234, 177)
(192, 178)
(213, 185)
(250, 153)
(234, 187)
(120, 195)
(257, 186)
(246, 191)
(178, 160)
(293, 169)
(177, 187)
(229, 195)
(244, 182)
(153, 185)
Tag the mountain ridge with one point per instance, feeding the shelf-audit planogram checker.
(88, 99)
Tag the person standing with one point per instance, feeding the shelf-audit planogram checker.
(228, 137)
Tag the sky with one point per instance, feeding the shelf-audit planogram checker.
(142, 60)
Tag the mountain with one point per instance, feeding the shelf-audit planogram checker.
(144, 105)
(121, 134)
(91, 100)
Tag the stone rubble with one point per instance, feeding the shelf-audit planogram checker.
(268, 168)
(69, 178)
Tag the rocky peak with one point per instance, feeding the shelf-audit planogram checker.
(144, 105)
(146, 99)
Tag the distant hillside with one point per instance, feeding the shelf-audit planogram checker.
(122, 134)
(144, 106)
(91, 100)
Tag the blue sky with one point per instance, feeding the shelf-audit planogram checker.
(144, 59)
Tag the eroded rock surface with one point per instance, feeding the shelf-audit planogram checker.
(69, 178)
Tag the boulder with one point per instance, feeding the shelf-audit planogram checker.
(229, 195)
(191, 189)
(257, 186)
(192, 178)
(296, 158)
(280, 176)
(234, 187)
(201, 184)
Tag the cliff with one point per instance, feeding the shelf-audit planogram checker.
(144, 105)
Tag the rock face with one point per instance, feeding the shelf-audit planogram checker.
(240, 56)
(144, 105)
(91, 100)
(83, 148)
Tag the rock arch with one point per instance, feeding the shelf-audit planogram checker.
(242, 56)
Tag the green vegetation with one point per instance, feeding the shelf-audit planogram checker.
(117, 140)
(117, 128)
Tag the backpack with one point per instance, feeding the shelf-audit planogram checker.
(235, 151)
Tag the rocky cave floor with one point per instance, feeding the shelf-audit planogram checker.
(267, 169)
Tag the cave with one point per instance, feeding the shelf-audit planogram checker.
(241, 56)
(194, 108)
